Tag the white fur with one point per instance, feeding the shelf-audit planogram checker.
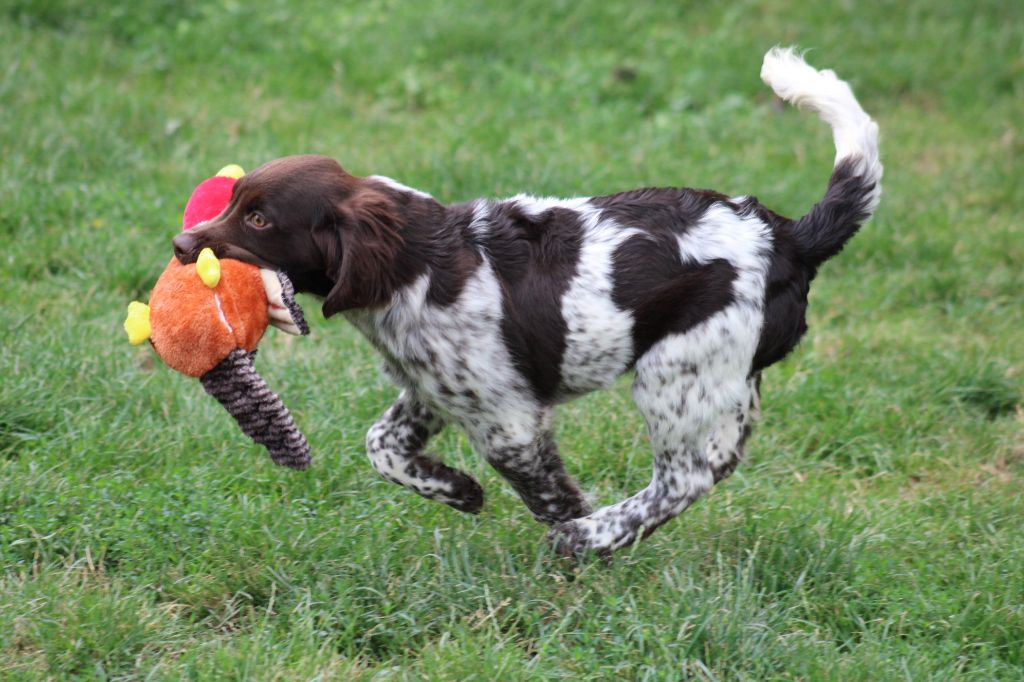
(855, 134)
(599, 343)
(396, 185)
(480, 225)
(744, 241)
(534, 206)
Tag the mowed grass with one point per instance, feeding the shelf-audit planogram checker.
(876, 531)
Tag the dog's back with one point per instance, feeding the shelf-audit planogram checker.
(590, 285)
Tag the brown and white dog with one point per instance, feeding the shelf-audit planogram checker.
(488, 313)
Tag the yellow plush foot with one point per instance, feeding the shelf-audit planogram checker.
(137, 323)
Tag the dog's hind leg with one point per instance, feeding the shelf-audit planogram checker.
(394, 445)
(524, 452)
(727, 440)
(682, 401)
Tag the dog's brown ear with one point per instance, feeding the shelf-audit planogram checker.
(364, 270)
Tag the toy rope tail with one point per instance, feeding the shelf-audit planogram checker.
(236, 385)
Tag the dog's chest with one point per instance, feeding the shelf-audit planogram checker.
(452, 357)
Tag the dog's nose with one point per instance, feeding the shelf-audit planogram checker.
(185, 247)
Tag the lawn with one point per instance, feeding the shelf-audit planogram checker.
(876, 531)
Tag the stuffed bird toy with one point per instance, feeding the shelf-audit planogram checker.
(205, 320)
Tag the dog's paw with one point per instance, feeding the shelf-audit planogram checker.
(573, 540)
(465, 494)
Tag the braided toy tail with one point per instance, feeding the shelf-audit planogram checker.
(236, 385)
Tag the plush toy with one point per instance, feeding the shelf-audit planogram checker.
(205, 319)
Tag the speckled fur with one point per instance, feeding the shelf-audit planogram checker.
(693, 388)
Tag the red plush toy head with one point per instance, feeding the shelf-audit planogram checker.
(210, 196)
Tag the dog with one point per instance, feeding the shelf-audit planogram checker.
(489, 313)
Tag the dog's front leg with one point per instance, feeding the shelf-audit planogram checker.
(394, 445)
(524, 452)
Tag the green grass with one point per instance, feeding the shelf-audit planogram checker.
(876, 532)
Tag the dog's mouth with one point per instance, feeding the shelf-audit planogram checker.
(240, 254)
(189, 254)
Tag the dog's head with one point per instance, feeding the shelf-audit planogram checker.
(333, 234)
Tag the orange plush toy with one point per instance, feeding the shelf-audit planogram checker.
(205, 319)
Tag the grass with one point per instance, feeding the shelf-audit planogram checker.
(875, 532)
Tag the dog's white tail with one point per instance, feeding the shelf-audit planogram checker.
(855, 187)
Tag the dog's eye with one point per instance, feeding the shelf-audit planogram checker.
(257, 220)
